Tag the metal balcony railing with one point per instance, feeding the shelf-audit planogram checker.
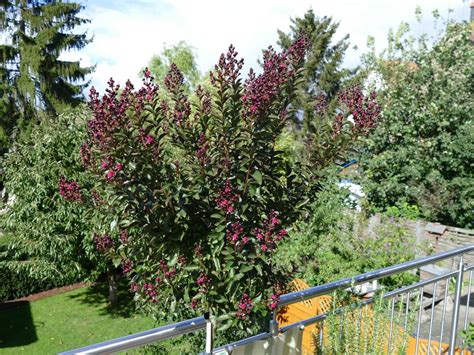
(411, 298)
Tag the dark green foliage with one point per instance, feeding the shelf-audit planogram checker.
(422, 153)
(50, 240)
(33, 78)
(323, 74)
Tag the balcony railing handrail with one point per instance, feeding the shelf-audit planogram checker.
(306, 294)
(143, 338)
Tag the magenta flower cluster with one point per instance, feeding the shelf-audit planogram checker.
(174, 79)
(103, 243)
(364, 109)
(273, 302)
(69, 190)
(278, 69)
(235, 234)
(127, 266)
(151, 291)
(111, 168)
(271, 233)
(110, 113)
(228, 68)
(165, 274)
(245, 307)
(227, 198)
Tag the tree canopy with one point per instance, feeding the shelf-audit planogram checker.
(422, 151)
(33, 77)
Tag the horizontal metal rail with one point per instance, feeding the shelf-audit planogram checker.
(303, 295)
(143, 338)
(369, 301)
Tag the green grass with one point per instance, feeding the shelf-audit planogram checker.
(67, 321)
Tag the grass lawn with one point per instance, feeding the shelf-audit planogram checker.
(67, 321)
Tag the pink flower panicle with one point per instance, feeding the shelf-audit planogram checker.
(203, 280)
(227, 198)
(182, 260)
(174, 79)
(151, 291)
(271, 233)
(109, 113)
(228, 68)
(364, 109)
(167, 272)
(103, 243)
(69, 190)
(134, 287)
(147, 73)
(273, 302)
(127, 266)
(278, 69)
(245, 307)
(234, 232)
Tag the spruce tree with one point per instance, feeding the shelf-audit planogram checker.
(323, 73)
(34, 35)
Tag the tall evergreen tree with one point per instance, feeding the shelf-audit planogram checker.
(323, 73)
(34, 35)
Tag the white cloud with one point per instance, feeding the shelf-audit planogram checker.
(127, 35)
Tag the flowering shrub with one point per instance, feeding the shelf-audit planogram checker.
(207, 195)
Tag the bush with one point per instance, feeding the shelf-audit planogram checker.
(207, 196)
(50, 241)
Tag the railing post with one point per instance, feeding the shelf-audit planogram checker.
(209, 334)
(457, 301)
(274, 324)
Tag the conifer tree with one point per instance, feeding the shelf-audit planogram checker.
(34, 35)
(323, 74)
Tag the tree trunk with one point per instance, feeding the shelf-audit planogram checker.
(113, 297)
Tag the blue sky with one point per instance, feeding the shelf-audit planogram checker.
(127, 33)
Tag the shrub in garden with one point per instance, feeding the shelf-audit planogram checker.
(49, 242)
(422, 152)
(207, 196)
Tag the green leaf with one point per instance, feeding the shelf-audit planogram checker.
(257, 175)
(117, 261)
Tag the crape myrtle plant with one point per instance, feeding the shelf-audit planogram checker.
(207, 196)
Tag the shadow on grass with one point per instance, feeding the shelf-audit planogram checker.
(97, 295)
(16, 325)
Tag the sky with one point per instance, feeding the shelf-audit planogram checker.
(127, 33)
